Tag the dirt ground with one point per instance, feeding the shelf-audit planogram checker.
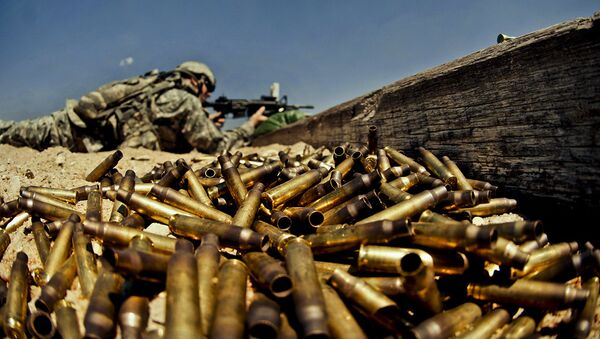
(58, 167)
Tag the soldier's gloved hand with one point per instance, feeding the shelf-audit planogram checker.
(217, 118)
(258, 117)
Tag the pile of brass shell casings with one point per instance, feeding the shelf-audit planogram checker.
(361, 242)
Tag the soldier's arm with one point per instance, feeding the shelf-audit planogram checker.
(203, 135)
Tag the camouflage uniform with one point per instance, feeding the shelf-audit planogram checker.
(170, 120)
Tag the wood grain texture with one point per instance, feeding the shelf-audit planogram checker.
(523, 114)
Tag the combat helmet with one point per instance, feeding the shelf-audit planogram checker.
(201, 71)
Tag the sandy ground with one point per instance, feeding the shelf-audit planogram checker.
(57, 167)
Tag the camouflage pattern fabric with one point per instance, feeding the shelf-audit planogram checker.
(171, 121)
(40, 133)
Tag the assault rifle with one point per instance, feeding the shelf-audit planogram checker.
(245, 107)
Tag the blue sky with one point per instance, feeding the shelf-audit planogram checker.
(321, 52)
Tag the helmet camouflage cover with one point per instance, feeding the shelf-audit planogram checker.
(199, 69)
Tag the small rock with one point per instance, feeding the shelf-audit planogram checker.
(13, 187)
(29, 174)
(159, 229)
(60, 159)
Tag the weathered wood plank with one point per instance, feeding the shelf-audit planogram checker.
(524, 114)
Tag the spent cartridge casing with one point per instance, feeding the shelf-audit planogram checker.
(57, 193)
(278, 239)
(456, 199)
(344, 167)
(42, 242)
(335, 179)
(281, 220)
(532, 245)
(353, 236)
(406, 182)
(530, 293)
(67, 323)
(151, 208)
(116, 234)
(9, 209)
(230, 235)
(519, 231)
(482, 185)
(173, 177)
(134, 220)
(183, 301)
(420, 285)
(542, 257)
(387, 259)
(99, 319)
(292, 188)
(482, 197)
(430, 216)
(94, 206)
(175, 201)
(400, 158)
(368, 163)
(565, 268)
(4, 242)
(304, 219)
(585, 318)
(383, 162)
(120, 210)
(341, 322)
(269, 273)
(390, 286)
(133, 317)
(443, 325)
(487, 325)
(495, 206)
(314, 163)
(207, 260)
(314, 193)
(106, 165)
(196, 189)
(138, 264)
(56, 288)
(230, 313)
(437, 167)
(233, 180)
(307, 295)
(47, 199)
(395, 172)
(425, 180)
(339, 153)
(263, 318)
(453, 236)
(15, 309)
(393, 194)
(461, 180)
(522, 327)
(61, 249)
(40, 325)
(374, 304)
(45, 210)
(346, 192)
(353, 209)
(372, 139)
(406, 209)
(246, 213)
(503, 252)
(87, 271)
(248, 178)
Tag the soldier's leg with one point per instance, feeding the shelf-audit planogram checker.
(40, 133)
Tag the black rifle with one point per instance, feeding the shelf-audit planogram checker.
(244, 107)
